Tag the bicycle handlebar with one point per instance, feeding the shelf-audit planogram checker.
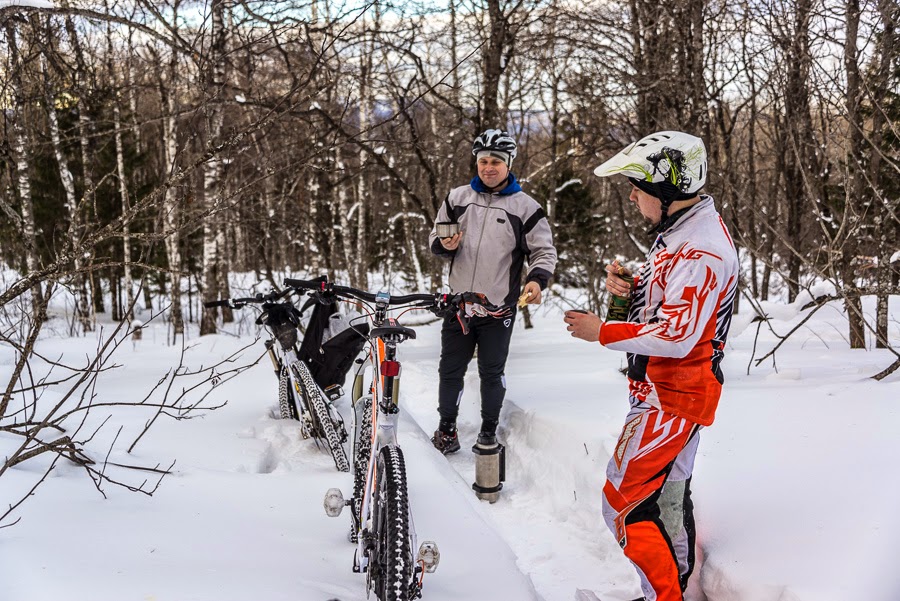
(238, 303)
(219, 303)
(442, 305)
(346, 291)
(438, 303)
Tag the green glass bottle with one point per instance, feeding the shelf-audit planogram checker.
(618, 307)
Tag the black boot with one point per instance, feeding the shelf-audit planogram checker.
(488, 434)
(445, 438)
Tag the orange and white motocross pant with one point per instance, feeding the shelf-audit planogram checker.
(647, 498)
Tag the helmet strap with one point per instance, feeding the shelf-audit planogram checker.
(498, 187)
(667, 221)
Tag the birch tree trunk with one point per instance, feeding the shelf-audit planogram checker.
(314, 258)
(126, 228)
(91, 285)
(344, 215)
(65, 174)
(20, 149)
(168, 91)
(127, 283)
(84, 313)
(132, 95)
(359, 267)
(409, 234)
(213, 234)
(272, 215)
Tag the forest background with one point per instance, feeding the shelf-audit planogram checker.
(157, 146)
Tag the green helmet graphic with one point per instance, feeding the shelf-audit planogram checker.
(670, 165)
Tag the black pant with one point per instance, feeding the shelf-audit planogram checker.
(492, 337)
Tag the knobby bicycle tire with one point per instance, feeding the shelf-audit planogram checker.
(324, 424)
(361, 452)
(287, 402)
(391, 562)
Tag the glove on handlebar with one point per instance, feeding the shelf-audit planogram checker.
(476, 303)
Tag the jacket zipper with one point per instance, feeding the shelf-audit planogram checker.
(478, 248)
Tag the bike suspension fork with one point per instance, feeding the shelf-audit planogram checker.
(270, 344)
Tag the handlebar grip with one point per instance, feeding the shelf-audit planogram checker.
(346, 291)
(304, 284)
(412, 298)
(218, 303)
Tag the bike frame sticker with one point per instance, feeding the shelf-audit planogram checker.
(379, 358)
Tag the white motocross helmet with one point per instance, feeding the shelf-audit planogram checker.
(670, 165)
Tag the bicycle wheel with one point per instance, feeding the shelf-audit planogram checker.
(362, 448)
(391, 560)
(327, 427)
(287, 401)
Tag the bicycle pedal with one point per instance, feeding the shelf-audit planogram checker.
(429, 555)
(334, 502)
(334, 392)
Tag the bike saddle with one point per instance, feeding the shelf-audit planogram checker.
(392, 328)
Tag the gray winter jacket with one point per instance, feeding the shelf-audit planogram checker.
(502, 229)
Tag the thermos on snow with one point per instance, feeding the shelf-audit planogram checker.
(490, 470)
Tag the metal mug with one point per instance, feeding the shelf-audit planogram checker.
(446, 229)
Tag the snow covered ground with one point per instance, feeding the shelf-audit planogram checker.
(795, 486)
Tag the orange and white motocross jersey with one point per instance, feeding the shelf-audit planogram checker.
(681, 307)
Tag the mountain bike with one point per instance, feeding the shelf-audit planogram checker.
(299, 396)
(380, 513)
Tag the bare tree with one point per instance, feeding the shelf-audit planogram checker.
(21, 151)
(334, 130)
(213, 233)
(887, 220)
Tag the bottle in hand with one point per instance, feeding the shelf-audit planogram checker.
(618, 307)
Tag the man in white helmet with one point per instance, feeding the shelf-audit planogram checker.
(679, 314)
(500, 228)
